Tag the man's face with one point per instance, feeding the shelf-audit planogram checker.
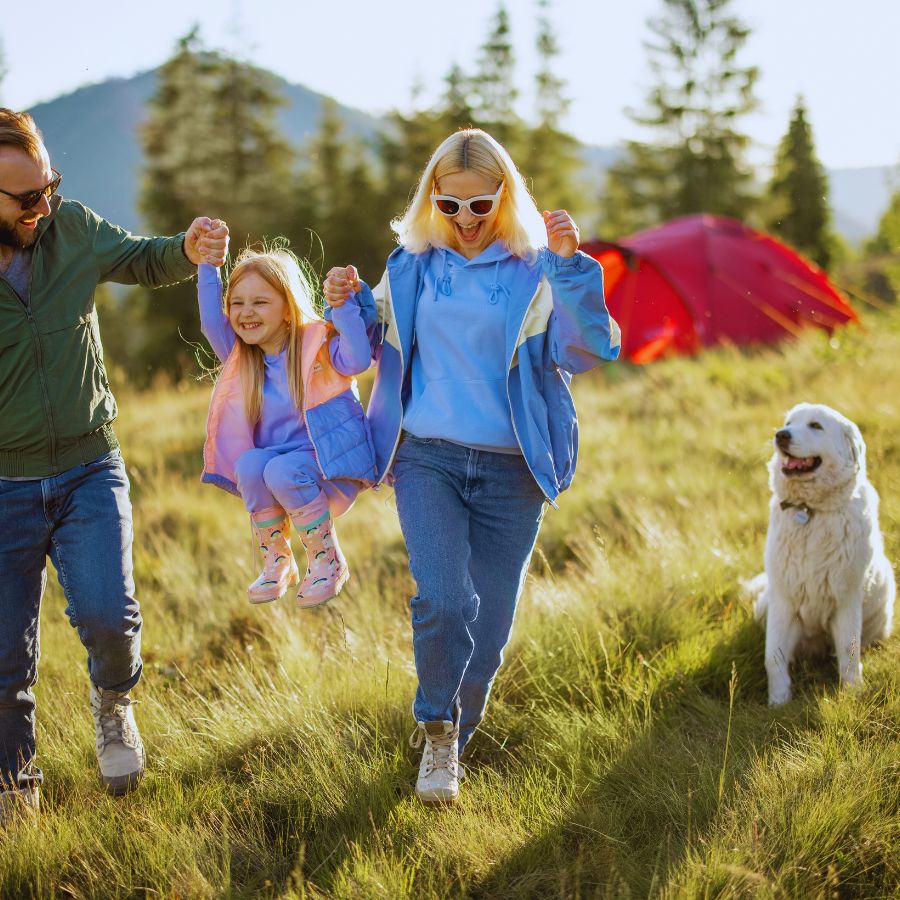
(19, 174)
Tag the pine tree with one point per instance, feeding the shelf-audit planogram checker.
(404, 149)
(211, 147)
(550, 160)
(406, 145)
(339, 217)
(548, 156)
(257, 162)
(883, 252)
(211, 143)
(886, 240)
(455, 109)
(493, 88)
(696, 163)
(798, 193)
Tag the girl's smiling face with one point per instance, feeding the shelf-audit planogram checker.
(258, 313)
(471, 233)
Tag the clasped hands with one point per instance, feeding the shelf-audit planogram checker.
(206, 241)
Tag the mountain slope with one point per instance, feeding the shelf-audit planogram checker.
(92, 136)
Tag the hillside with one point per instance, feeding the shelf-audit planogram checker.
(628, 749)
(92, 137)
(859, 197)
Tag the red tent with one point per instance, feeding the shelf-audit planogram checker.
(703, 280)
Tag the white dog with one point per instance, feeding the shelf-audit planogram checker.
(827, 578)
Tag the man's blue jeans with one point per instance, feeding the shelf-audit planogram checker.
(82, 520)
(470, 520)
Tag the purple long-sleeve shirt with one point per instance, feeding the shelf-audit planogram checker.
(279, 425)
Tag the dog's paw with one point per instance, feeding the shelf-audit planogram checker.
(780, 695)
(754, 590)
(851, 676)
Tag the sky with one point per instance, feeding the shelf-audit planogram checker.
(843, 58)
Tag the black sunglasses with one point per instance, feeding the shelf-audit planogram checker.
(32, 197)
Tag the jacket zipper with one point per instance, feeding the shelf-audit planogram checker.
(303, 411)
(390, 462)
(512, 417)
(39, 357)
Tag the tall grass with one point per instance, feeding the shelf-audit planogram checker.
(628, 749)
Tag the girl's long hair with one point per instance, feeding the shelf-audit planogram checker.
(518, 223)
(284, 272)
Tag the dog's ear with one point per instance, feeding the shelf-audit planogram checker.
(855, 445)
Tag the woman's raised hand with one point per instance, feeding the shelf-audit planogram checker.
(340, 283)
(562, 232)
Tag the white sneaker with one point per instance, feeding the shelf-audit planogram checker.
(120, 751)
(19, 805)
(438, 781)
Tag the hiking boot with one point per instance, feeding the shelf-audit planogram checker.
(439, 770)
(19, 805)
(120, 751)
(327, 571)
(279, 566)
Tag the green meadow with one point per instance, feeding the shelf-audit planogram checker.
(628, 749)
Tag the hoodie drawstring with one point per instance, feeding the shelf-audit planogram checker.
(496, 287)
(442, 283)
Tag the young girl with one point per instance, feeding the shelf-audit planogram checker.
(486, 309)
(286, 429)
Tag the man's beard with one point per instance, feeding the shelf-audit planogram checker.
(9, 237)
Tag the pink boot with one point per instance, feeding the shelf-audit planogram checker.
(327, 570)
(279, 566)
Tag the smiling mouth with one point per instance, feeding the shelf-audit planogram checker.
(799, 465)
(468, 232)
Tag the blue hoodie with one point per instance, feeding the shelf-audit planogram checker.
(457, 375)
(557, 328)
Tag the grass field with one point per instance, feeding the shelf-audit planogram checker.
(628, 749)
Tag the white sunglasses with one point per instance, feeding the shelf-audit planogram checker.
(481, 206)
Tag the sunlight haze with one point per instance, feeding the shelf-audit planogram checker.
(374, 56)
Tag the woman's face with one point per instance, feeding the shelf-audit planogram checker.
(471, 233)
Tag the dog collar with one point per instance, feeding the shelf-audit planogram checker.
(802, 512)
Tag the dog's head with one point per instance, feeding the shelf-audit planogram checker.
(817, 451)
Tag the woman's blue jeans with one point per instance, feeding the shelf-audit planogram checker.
(470, 519)
(82, 520)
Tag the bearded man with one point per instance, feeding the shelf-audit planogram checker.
(63, 484)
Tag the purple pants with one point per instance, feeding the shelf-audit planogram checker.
(268, 477)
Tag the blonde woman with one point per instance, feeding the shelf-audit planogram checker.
(286, 430)
(486, 310)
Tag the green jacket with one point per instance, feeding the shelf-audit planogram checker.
(56, 408)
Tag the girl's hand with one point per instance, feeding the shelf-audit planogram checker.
(562, 233)
(340, 283)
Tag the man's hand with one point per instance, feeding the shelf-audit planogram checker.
(206, 241)
(340, 283)
(562, 232)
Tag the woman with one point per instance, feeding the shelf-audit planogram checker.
(485, 311)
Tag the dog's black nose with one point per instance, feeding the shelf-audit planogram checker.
(783, 438)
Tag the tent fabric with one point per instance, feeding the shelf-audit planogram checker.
(703, 280)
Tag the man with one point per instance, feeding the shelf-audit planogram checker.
(63, 486)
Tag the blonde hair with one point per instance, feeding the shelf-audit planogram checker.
(517, 223)
(17, 129)
(285, 273)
